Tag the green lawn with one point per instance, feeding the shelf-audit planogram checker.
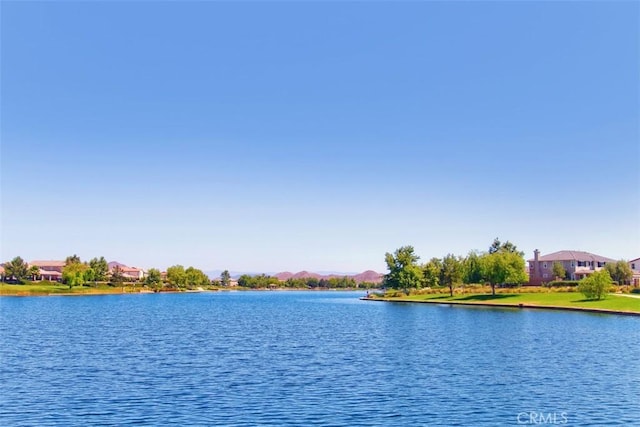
(48, 288)
(558, 299)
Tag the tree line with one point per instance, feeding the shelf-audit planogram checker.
(501, 264)
(264, 281)
(78, 273)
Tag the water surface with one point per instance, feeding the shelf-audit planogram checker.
(309, 358)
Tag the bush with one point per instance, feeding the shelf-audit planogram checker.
(596, 286)
(562, 283)
(635, 291)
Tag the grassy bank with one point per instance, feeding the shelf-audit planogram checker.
(50, 288)
(571, 300)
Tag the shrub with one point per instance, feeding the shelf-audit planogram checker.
(596, 286)
(562, 283)
(635, 291)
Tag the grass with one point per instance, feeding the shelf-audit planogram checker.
(556, 299)
(53, 288)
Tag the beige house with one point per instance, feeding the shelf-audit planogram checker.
(577, 264)
(49, 270)
(49, 265)
(129, 273)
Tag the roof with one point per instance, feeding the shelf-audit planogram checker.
(49, 273)
(573, 256)
(53, 263)
(634, 260)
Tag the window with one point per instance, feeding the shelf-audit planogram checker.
(573, 263)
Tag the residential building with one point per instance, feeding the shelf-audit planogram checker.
(635, 267)
(49, 270)
(577, 264)
(129, 273)
(49, 265)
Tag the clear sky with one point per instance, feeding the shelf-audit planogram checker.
(276, 136)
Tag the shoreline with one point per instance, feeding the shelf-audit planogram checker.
(100, 292)
(507, 305)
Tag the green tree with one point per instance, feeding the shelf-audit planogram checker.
(225, 278)
(503, 267)
(154, 279)
(33, 272)
(507, 246)
(596, 285)
(195, 278)
(73, 274)
(17, 269)
(472, 268)
(404, 271)
(451, 272)
(620, 271)
(176, 276)
(73, 259)
(431, 272)
(100, 269)
(558, 270)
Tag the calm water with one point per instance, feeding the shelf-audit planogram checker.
(309, 358)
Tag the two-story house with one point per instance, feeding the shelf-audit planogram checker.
(577, 264)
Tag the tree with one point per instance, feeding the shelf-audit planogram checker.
(17, 269)
(176, 276)
(472, 268)
(431, 272)
(451, 272)
(100, 269)
(34, 271)
(558, 270)
(596, 285)
(503, 267)
(73, 259)
(195, 278)
(404, 272)
(73, 274)
(154, 279)
(507, 246)
(225, 278)
(620, 271)
(117, 277)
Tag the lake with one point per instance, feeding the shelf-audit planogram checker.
(310, 358)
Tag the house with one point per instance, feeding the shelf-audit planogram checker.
(49, 270)
(635, 267)
(51, 275)
(49, 265)
(129, 273)
(577, 264)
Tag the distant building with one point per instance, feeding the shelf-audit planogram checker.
(635, 267)
(129, 273)
(49, 265)
(49, 270)
(577, 264)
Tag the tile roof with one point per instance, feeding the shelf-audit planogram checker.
(573, 256)
(51, 263)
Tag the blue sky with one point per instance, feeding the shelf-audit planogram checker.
(276, 136)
